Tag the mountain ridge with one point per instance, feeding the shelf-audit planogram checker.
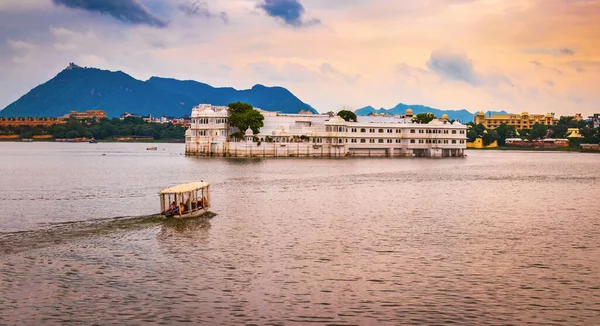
(82, 88)
(462, 115)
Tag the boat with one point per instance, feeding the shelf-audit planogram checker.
(93, 141)
(27, 140)
(185, 200)
(152, 148)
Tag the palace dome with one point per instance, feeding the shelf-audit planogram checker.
(409, 112)
(444, 116)
(249, 132)
(525, 113)
(336, 120)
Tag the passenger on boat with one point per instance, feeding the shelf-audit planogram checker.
(173, 209)
(204, 202)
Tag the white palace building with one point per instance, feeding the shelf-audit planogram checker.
(319, 135)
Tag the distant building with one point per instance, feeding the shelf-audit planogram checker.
(87, 115)
(519, 121)
(578, 117)
(595, 120)
(127, 115)
(539, 143)
(31, 121)
(574, 133)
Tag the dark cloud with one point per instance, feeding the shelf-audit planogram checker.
(292, 12)
(453, 65)
(553, 52)
(128, 11)
(200, 9)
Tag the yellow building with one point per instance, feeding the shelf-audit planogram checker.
(519, 121)
(478, 144)
(89, 114)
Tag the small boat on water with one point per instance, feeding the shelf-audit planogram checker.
(185, 200)
(93, 141)
(152, 148)
(27, 140)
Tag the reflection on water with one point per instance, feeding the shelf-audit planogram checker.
(497, 238)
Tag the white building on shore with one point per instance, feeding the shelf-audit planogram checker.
(319, 135)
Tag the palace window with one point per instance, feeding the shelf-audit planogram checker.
(420, 131)
(454, 131)
(363, 130)
(380, 141)
(398, 131)
(412, 131)
(371, 130)
(398, 141)
(371, 141)
(389, 131)
(353, 130)
(453, 141)
(363, 140)
(390, 140)
(353, 140)
(462, 131)
(380, 130)
(412, 141)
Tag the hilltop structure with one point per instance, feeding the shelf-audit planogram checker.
(519, 121)
(312, 135)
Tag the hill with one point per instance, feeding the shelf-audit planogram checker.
(80, 89)
(461, 115)
(266, 98)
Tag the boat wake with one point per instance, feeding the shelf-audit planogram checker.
(57, 233)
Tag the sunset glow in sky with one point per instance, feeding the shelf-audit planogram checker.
(520, 55)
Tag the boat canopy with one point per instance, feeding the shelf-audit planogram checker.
(186, 187)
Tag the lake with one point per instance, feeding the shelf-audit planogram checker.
(498, 237)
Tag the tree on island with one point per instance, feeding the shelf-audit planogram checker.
(423, 117)
(347, 115)
(242, 115)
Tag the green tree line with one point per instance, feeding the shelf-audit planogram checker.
(102, 129)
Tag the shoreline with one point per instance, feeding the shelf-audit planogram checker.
(165, 141)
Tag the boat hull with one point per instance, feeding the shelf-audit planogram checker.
(197, 213)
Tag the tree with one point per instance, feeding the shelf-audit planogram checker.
(243, 116)
(487, 138)
(475, 131)
(505, 131)
(72, 134)
(347, 115)
(538, 131)
(423, 117)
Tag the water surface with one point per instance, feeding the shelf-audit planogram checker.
(495, 238)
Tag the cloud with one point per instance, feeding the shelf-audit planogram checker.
(453, 65)
(200, 9)
(292, 12)
(20, 45)
(128, 11)
(537, 63)
(329, 71)
(553, 52)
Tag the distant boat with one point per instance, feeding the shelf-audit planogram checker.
(27, 139)
(152, 148)
(93, 141)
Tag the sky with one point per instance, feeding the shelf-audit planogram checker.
(520, 55)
